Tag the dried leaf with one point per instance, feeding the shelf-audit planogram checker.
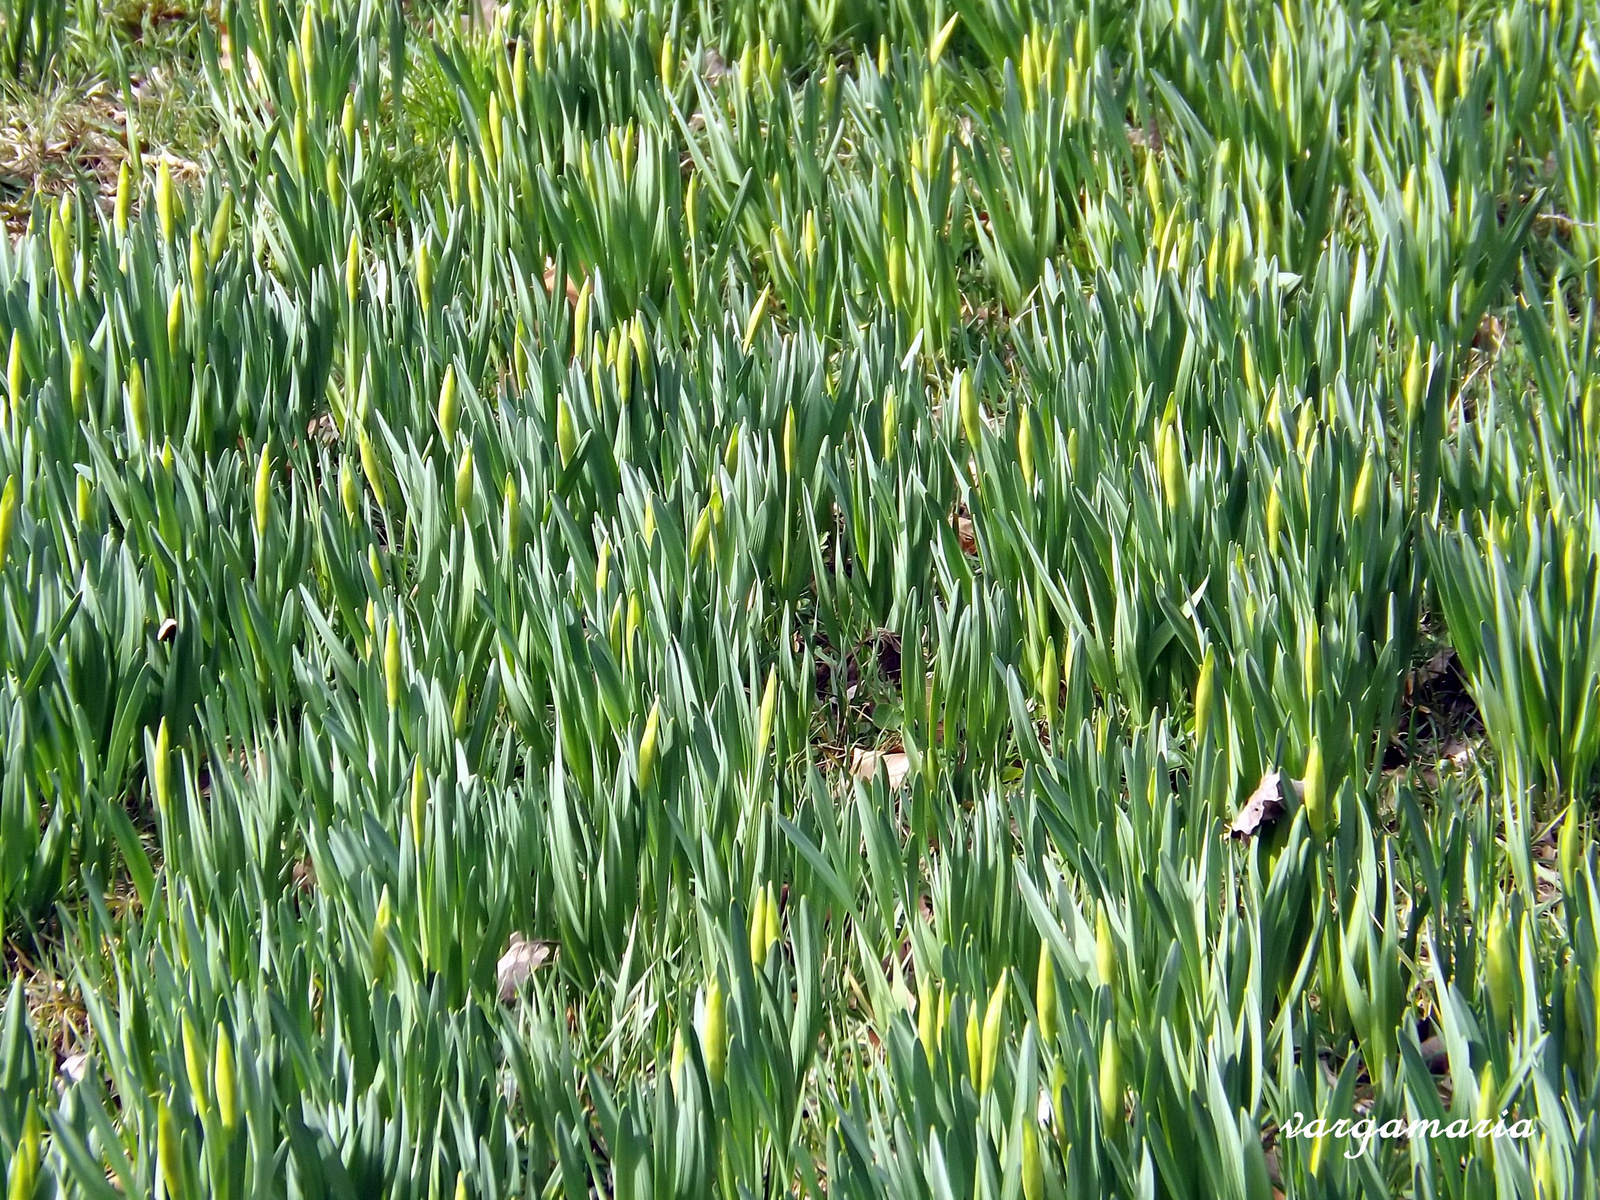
(522, 958)
(1263, 809)
(864, 764)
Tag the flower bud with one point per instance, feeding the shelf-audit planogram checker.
(217, 242)
(768, 711)
(1049, 681)
(566, 431)
(1315, 796)
(1500, 967)
(974, 1039)
(168, 1150)
(1032, 1169)
(124, 201)
(166, 201)
(1415, 381)
(1025, 446)
(1366, 488)
(194, 1064)
(753, 325)
(370, 467)
(382, 923)
(464, 481)
(993, 1023)
(1111, 1084)
(391, 665)
(1171, 465)
(648, 746)
(226, 1081)
(263, 491)
(971, 416)
(424, 269)
(927, 1019)
(1044, 995)
(669, 63)
(1203, 694)
(161, 769)
(1569, 849)
(758, 930)
(510, 516)
(419, 797)
(8, 516)
(349, 494)
(714, 1033)
(1105, 948)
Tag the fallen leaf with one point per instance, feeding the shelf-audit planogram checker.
(864, 764)
(966, 536)
(1263, 809)
(522, 958)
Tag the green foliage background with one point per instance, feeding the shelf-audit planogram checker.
(496, 500)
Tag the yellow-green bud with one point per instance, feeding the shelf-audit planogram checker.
(1203, 694)
(124, 202)
(974, 1038)
(370, 467)
(349, 494)
(138, 410)
(161, 780)
(1111, 1085)
(669, 63)
(464, 481)
(971, 416)
(419, 796)
(791, 441)
(511, 516)
(8, 516)
(1105, 948)
(220, 224)
(758, 930)
(753, 325)
(424, 269)
(391, 665)
(194, 1064)
(993, 1024)
(1366, 489)
(566, 431)
(226, 1082)
(381, 925)
(648, 746)
(1415, 381)
(78, 378)
(714, 1033)
(1569, 848)
(1315, 796)
(1171, 464)
(768, 712)
(263, 491)
(168, 1150)
(1049, 681)
(927, 1018)
(1025, 446)
(458, 711)
(1044, 995)
(1032, 1169)
(1500, 967)
(14, 375)
(166, 201)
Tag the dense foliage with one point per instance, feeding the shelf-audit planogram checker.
(466, 549)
